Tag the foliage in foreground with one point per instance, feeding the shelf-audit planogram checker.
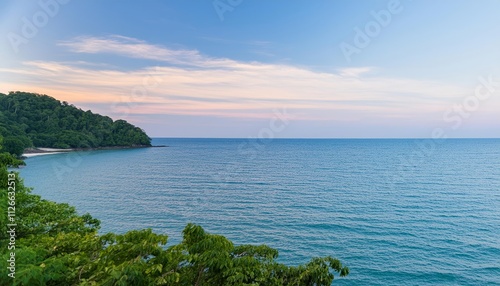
(56, 246)
(6, 159)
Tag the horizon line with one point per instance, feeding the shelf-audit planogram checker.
(336, 138)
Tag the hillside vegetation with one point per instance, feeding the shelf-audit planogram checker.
(35, 120)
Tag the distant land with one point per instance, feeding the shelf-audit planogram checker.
(29, 121)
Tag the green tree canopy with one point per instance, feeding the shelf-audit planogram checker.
(13, 146)
(6, 159)
(56, 246)
(36, 120)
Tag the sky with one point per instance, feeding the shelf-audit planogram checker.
(264, 69)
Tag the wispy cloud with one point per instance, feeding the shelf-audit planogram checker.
(129, 47)
(355, 72)
(135, 48)
(190, 83)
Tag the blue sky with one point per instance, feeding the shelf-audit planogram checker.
(232, 68)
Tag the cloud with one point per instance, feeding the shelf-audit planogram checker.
(185, 82)
(129, 47)
(355, 72)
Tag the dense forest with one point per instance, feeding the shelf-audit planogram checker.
(35, 120)
(48, 243)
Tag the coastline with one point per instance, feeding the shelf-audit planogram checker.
(41, 151)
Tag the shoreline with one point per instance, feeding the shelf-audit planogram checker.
(40, 151)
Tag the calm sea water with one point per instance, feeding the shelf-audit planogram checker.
(397, 212)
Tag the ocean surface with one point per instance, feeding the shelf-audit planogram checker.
(397, 212)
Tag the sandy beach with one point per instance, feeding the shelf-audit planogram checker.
(28, 153)
(32, 152)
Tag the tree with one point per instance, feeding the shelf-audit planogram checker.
(56, 246)
(13, 146)
(6, 159)
(43, 121)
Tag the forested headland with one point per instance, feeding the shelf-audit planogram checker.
(33, 120)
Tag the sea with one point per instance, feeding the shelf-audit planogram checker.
(395, 211)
